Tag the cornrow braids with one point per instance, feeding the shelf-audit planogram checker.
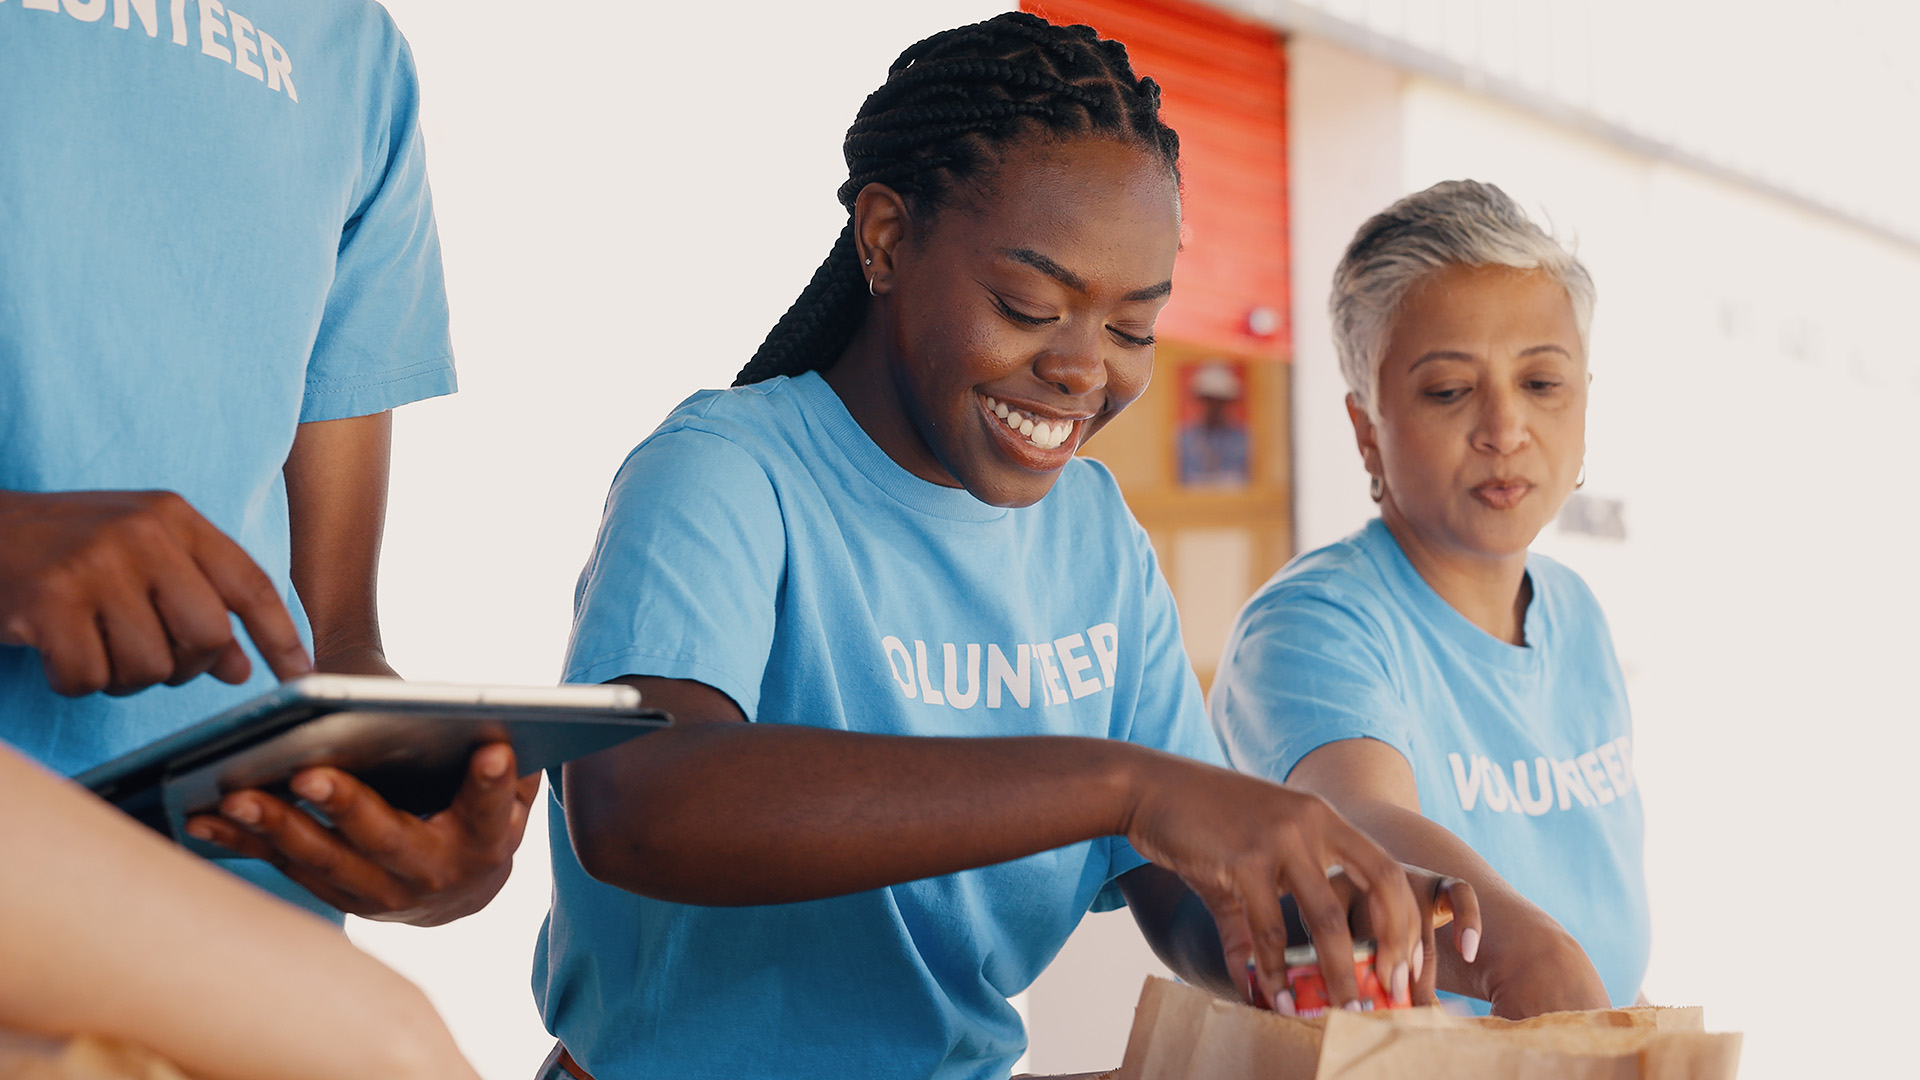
(948, 104)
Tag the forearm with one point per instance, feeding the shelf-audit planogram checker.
(1517, 932)
(195, 965)
(735, 813)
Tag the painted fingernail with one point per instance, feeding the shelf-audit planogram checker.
(200, 830)
(1419, 959)
(1402, 992)
(314, 787)
(1469, 945)
(493, 766)
(1284, 1004)
(246, 812)
(1352, 1006)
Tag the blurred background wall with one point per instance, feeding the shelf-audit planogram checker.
(629, 195)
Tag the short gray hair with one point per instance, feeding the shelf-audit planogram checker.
(1453, 223)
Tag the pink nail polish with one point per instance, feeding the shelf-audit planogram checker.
(1469, 945)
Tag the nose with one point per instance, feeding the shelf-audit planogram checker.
(1501, 427)
(1072, 363)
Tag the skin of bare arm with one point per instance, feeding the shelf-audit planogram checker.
(1528, 963)
(717, 811)
(378, 862)
(193, 964)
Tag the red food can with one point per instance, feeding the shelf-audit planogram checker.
(1309, 986)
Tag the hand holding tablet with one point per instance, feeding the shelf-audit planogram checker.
(418, 793)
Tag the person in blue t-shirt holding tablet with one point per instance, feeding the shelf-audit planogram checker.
(221, 274)
(931, 700)
(1450, 692)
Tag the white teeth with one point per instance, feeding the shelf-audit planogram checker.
(1043, 434)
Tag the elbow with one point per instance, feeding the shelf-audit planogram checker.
(621, 843)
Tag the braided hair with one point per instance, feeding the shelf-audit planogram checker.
(948, 103)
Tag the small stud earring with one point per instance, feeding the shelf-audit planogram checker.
(868, 261)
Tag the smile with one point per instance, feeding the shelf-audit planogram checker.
(1041, 433)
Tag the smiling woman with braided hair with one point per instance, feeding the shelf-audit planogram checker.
(931, 700)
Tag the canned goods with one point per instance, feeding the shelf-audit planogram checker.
(1309, 986)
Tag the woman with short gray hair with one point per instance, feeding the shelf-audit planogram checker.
(1453, 694)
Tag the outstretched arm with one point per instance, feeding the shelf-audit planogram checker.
(716, 811)
(193, 964)
(1527, 963)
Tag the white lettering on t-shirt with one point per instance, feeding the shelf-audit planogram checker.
(279, 67)
(149, 19)
(1523, 793)
(1018, 680)
(1061, 668)
(1594, 778)
(954, 697)
(1495, 791)
(903, 669)
(1105, 640)
(274, 67)
(244, 46)
(1566, 781)
(211, 31)
(1073, 665)
(1465, 781)
(927, 693)
(1049, 673)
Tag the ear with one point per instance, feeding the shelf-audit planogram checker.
(880, 225)
(1364, 436)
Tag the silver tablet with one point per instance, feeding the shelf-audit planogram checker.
(408, 741)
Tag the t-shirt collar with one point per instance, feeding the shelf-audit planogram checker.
(865, 457)
(1457, 627)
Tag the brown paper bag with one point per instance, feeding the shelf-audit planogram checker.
(1180, 1033)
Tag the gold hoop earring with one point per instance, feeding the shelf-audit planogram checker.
(1377, 488)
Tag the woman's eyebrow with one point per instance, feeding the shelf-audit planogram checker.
(1547, 348)
(1074, 281)
(1443, 354)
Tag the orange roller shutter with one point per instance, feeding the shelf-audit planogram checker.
(1224, 83)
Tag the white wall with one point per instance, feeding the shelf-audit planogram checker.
(1755, 381)
(629, 195)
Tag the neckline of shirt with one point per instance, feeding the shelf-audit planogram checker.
(869, 461)
(1457, 627)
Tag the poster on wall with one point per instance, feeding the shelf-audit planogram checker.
(1211, 436)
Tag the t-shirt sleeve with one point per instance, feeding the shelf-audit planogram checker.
(684, 578)
(383, 339)
(1169, 712)
(1304, 669)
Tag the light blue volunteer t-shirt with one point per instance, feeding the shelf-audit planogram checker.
(759, 542)
(214, 226)
(1524, 752)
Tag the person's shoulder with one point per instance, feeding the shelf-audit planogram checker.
(1572, 610)
(760, 416)
(1351, 567)
(1566, 588)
